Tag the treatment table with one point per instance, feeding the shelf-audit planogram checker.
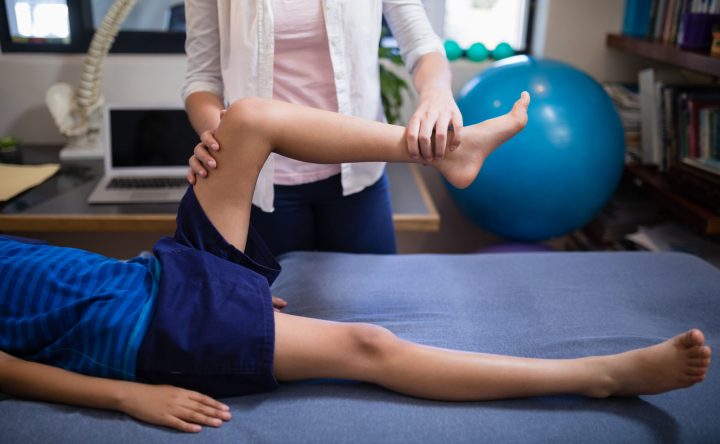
(550, 305)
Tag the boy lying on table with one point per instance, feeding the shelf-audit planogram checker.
(149, 335)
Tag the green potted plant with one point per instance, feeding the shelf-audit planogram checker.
(10, 150)
(391, 85)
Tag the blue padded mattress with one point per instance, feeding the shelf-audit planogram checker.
(551, 305)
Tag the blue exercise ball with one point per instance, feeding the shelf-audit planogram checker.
(561, 169)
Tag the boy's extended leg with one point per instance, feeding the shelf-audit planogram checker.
(309, 348)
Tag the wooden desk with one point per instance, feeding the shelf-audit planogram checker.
(60, 204)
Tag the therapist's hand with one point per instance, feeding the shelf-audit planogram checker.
(436, 112)
(202, 160)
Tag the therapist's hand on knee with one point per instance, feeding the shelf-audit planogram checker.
(202, 161)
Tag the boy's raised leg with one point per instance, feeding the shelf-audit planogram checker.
(253, 128)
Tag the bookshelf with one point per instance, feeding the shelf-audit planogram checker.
(700, 218)
(666, 53)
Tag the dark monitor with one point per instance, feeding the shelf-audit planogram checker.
(150, 137)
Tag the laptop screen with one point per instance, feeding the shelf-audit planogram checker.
(150, 137)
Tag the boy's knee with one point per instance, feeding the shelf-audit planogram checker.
(4, 357)
(249, 112)
(371, 341)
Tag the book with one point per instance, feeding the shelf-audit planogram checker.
(704, 133)
(715, 134)
(695, 104)
(650, 83)
(677, 18)
(669, 17)
(663, 20)
(653, 18)
(659, 19)
(708, 144)
(626, 101)
(637, 17)
(675, 118)
(670, 125)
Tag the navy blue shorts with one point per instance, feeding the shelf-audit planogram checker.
(213, 329)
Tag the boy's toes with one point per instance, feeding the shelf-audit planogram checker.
(691, 338)
(521, 105)
(705, 352)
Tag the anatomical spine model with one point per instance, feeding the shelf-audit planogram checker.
(78, 111)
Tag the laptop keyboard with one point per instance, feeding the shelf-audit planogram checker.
(147, 182)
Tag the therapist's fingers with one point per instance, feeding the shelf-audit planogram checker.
(197, 167)
(411, 137)
(203, 155)
(441, 136)
(191, 175)
(425, 136)
(208, 138)
(456, 132)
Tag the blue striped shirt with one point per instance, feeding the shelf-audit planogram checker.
(74, 309)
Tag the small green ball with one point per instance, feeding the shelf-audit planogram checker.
(502, 51)
(453, 50)
(477, 52)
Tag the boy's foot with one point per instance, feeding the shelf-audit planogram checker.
(679, 362)
(478, 141)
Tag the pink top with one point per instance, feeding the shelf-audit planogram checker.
(302, 74)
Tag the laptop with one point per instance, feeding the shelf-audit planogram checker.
(146, 155)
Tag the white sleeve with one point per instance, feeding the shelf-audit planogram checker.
(202, 46)
(410, 26)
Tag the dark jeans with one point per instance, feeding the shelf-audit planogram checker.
(316, 216)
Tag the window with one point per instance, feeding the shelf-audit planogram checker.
(146, 16)
(40, 20)
(40, 25)
(154, 26)
(488, 21)
(479, 21)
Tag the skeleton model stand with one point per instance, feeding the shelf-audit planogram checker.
(78, 111)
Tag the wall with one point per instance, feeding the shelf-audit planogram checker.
(569, 30)
(127, 79)
(574, 31)
(145, 16)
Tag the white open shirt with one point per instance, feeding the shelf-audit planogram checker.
(230, 48)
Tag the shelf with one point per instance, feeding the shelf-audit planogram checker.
(695, 215)
(667, 53)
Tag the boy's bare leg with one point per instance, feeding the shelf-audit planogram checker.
(253, 128)
(310, 348)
